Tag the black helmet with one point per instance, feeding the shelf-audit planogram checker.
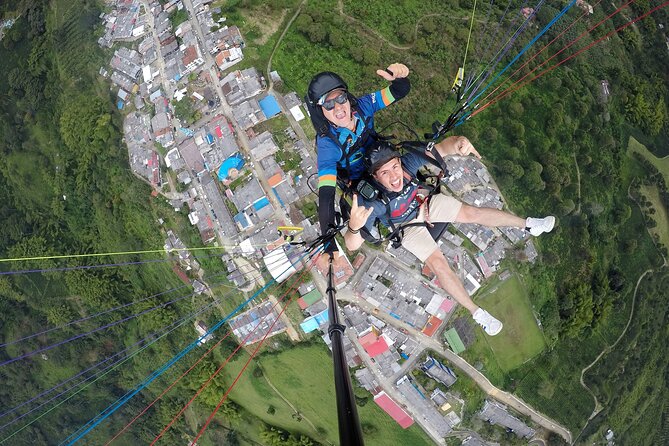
(322, 84)
(379, 154)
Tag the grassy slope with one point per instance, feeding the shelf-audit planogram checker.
(521, 338)
(303, 374)
(662, 164)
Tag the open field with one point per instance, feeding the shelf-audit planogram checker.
(660, 216)
(662, 164)
(520, 340)
(303, 375)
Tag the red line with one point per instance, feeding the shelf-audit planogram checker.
(507, 92)
(569, 45)
(228, 360)
(239, 375)
(540, 51)
(119, 433)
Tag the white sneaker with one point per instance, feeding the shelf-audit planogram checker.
(486, 320)
(538, 226)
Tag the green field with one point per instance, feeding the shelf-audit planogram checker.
(662, 164)
(303, 375)
(660, 216)
(652, 193)
(520, 340)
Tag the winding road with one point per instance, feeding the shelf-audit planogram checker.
(598, 407)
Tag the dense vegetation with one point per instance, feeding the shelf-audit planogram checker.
(66, 187)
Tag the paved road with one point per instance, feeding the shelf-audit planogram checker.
(227, 111)
(169, 90)
(483, 382)
(388, 386)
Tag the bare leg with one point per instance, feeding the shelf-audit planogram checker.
(490, 217)
(449, 280)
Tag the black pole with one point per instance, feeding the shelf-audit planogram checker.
(350, 433)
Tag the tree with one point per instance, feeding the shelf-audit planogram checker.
(566, 206)
(511, 169)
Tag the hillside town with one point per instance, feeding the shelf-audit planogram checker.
(221, 142)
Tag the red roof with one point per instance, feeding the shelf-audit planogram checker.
(432, 324)
(373, 344)
(427, 272)
(357, 263)
(393, 409)
(190, 54)
(303, 305)
(182, 275)
(219, 133)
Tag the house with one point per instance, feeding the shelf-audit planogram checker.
(393, 409)
(202, 330)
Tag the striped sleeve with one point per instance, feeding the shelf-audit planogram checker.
(328, 155)
(384, 97)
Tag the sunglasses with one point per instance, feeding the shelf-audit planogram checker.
(341, 98)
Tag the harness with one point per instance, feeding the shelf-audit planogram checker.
(367, 131)
(429, 183)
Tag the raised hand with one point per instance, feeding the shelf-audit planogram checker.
(394, 71)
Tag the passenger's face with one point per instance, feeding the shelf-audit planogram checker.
(391, 175)
(340, 115)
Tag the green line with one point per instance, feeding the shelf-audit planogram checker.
(93, 382)
(471, 26)
(101, 254)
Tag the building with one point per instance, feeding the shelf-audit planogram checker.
(453, 339)
(202, 330)
(261, 321)
(439, 372)
(263, 146)
(373, 344)
(191, 59)
(269, 106)
(241, 85)
(496, 413)
(393, 409)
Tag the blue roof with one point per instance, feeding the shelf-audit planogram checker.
(210, 138)
(241, 219)
(260, 203)
(269, 106)
(120, 104)
(313, 322)
(309, 325)
(276, 194)
(236, 161)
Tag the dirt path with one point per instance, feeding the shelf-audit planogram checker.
(378, 35)
(278, 42)
(609, 348)
(285, 400)
(578, 179)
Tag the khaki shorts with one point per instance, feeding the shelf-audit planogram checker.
(417, 239)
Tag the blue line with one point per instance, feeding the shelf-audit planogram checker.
(543, 31)
(124, 399)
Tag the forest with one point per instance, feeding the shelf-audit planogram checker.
(555, 146)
